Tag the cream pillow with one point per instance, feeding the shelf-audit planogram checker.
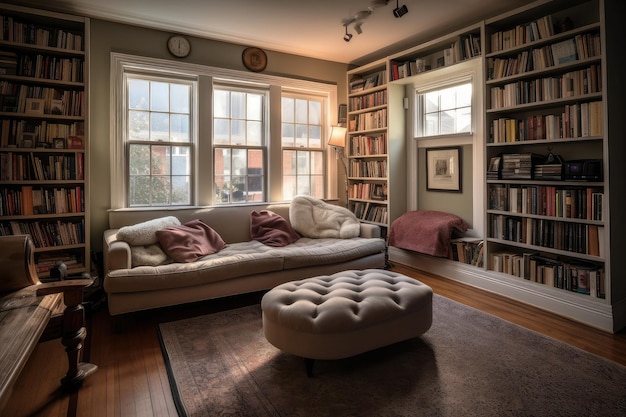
(144, 233)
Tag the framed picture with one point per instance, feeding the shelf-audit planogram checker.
(378, 192)
(58, 143)
(28, 140)
(34, 105)
(443, 169)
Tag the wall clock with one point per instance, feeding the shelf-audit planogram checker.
(254, 59)
(178, 46)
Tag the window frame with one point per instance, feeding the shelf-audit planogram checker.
(206, 76)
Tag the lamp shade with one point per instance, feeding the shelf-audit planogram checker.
(337, 136)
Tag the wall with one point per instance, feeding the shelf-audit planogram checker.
(107, 37)
(451, 202)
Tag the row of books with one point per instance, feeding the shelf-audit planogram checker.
(49, 67)
(368, 169)
(40, 133)
(44, 262)
(47, 234)
(567, 202)
(541, 28)
(518, 165)
(27, 200)
(370, 212)
(37, 100)
(581, 277)
(366, 82)
(571, 237)
(15, 30)
(29, 167)
(364, 145)
(370, 120)
(582, 46)
(577, 120)
(571, 84)
(467, 250)
(377, 98)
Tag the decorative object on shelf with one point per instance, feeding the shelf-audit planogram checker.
(254, 59)
(35, 106)
(338, 141)
(443, 169)
(58, 143)
(179, 46)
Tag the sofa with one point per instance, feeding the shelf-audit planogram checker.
(244, 264)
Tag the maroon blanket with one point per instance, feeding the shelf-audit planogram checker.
(425, 231)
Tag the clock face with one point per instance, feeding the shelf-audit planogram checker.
(178, 46)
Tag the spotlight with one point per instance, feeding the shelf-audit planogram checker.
(357, 29)
(347, 36)
(400, 11)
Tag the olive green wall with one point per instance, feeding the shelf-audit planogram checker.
(452, 202)
(107, 37)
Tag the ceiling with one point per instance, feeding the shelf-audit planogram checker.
(312, 28)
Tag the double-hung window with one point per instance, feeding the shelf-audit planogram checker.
(302, 145)
(239, 144)
(159, 142)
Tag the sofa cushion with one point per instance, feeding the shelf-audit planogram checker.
(144, 233)
(308, 252)
(271, 229)
(315, 218)
(190, 241)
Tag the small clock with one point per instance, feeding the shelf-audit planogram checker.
(178, 46)
(254, 59)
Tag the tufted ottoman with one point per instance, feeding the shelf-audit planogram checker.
(344, 314)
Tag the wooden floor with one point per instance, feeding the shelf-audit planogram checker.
(132, 379)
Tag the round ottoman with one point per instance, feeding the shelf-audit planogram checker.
(344, 314)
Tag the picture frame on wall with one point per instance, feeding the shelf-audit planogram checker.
(443, 169)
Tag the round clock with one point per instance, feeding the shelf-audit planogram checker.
(254, 59)
(178, 46)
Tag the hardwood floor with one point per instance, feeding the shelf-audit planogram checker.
(132, 378)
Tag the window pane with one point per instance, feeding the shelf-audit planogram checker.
(254, 134)
(301, 111)
(315, 136)
(159, 96)
(448, 99)
(454, 115)
(139, 190)
(138, 93)
(288, 105)
(317, 163)
(288, 134)
(221, 131)
(238, 105)
(181, 190)
(255, 107)
(138, 125)
(289, 186)
(160, 185)
(221, 103)
(431, 124)
(464, 120)
(431, 102)
(160, 161)
(160, 127)
(303, 185)
(447, 122)
(139, 160)
(181, 160)
(239, 161)
(238, 132)
(289, 163)
(179, 98)
(302, 135)
(179, 126)
(315, 112)
(317, 186)
(464, 95)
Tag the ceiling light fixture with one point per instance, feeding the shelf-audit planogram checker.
(347, 36)
(400, 11)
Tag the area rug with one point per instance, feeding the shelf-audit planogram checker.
(468, 364)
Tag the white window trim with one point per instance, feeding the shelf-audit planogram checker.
(123, 62)
(470, 70)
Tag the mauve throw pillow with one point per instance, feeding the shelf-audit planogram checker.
(190, 241)
(271, 229)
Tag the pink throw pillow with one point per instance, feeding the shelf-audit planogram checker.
(271, 229)
(190, 241)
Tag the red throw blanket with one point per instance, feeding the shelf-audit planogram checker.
(426, 231)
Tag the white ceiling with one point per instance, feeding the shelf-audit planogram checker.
(312, 28)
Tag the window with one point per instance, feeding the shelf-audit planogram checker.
(302, 146)
(159, 141)
(239, 145)
(445, 111)
(192, 135)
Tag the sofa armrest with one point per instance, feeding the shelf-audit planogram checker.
(116, 252)
(370, 230)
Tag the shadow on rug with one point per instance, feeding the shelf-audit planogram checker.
(468, 364)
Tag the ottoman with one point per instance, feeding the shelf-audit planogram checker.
(344, 314)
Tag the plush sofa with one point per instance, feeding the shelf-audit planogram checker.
(243, 265)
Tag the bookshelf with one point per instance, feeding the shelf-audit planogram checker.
(376, 170)
(545, 95)
(43, 146)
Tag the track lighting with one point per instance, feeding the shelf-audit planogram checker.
(400, 11)
(347, 36)
(357, 28)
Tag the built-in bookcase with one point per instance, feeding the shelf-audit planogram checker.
(43, 141)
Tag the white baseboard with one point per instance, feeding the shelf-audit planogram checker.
(591, 311)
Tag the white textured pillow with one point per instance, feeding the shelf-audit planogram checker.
(150, 255)
(143, 234)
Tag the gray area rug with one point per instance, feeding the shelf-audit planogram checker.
(468, 364)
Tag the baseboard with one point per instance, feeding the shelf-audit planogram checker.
(591, 311)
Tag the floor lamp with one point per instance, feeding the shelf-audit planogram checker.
(338, 142)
